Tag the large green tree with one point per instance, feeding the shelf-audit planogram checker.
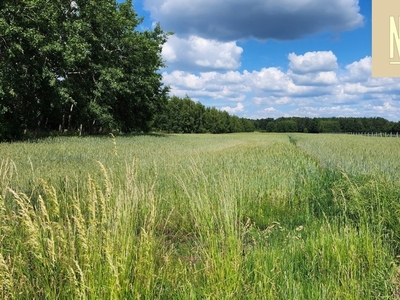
(77, 64)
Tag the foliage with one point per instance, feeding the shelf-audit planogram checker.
(183, 115)
(326, 125)
(77, 64)
(286, 126)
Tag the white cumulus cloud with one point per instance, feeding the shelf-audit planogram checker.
(196, 53)
(316, 79)
(321, 89)
(317, 61)
(234, 110)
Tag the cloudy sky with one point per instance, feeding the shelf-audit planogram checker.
(269, 58)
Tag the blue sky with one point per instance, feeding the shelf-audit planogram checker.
(268, 58)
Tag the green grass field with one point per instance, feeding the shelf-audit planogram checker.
(238, 216)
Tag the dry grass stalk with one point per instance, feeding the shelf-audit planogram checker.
(6, 280)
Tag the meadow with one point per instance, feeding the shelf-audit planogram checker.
(235, 216)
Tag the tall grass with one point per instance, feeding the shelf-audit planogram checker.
(241, 216)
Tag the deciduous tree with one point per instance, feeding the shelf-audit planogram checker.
(65, 63)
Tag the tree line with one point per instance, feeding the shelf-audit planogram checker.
(326, 125)
(183, 115)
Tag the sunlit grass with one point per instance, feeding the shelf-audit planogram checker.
(239, 216)
(355, 154)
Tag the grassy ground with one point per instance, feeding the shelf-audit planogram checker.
(239, 216)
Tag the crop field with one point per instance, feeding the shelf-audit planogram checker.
(236, 216)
